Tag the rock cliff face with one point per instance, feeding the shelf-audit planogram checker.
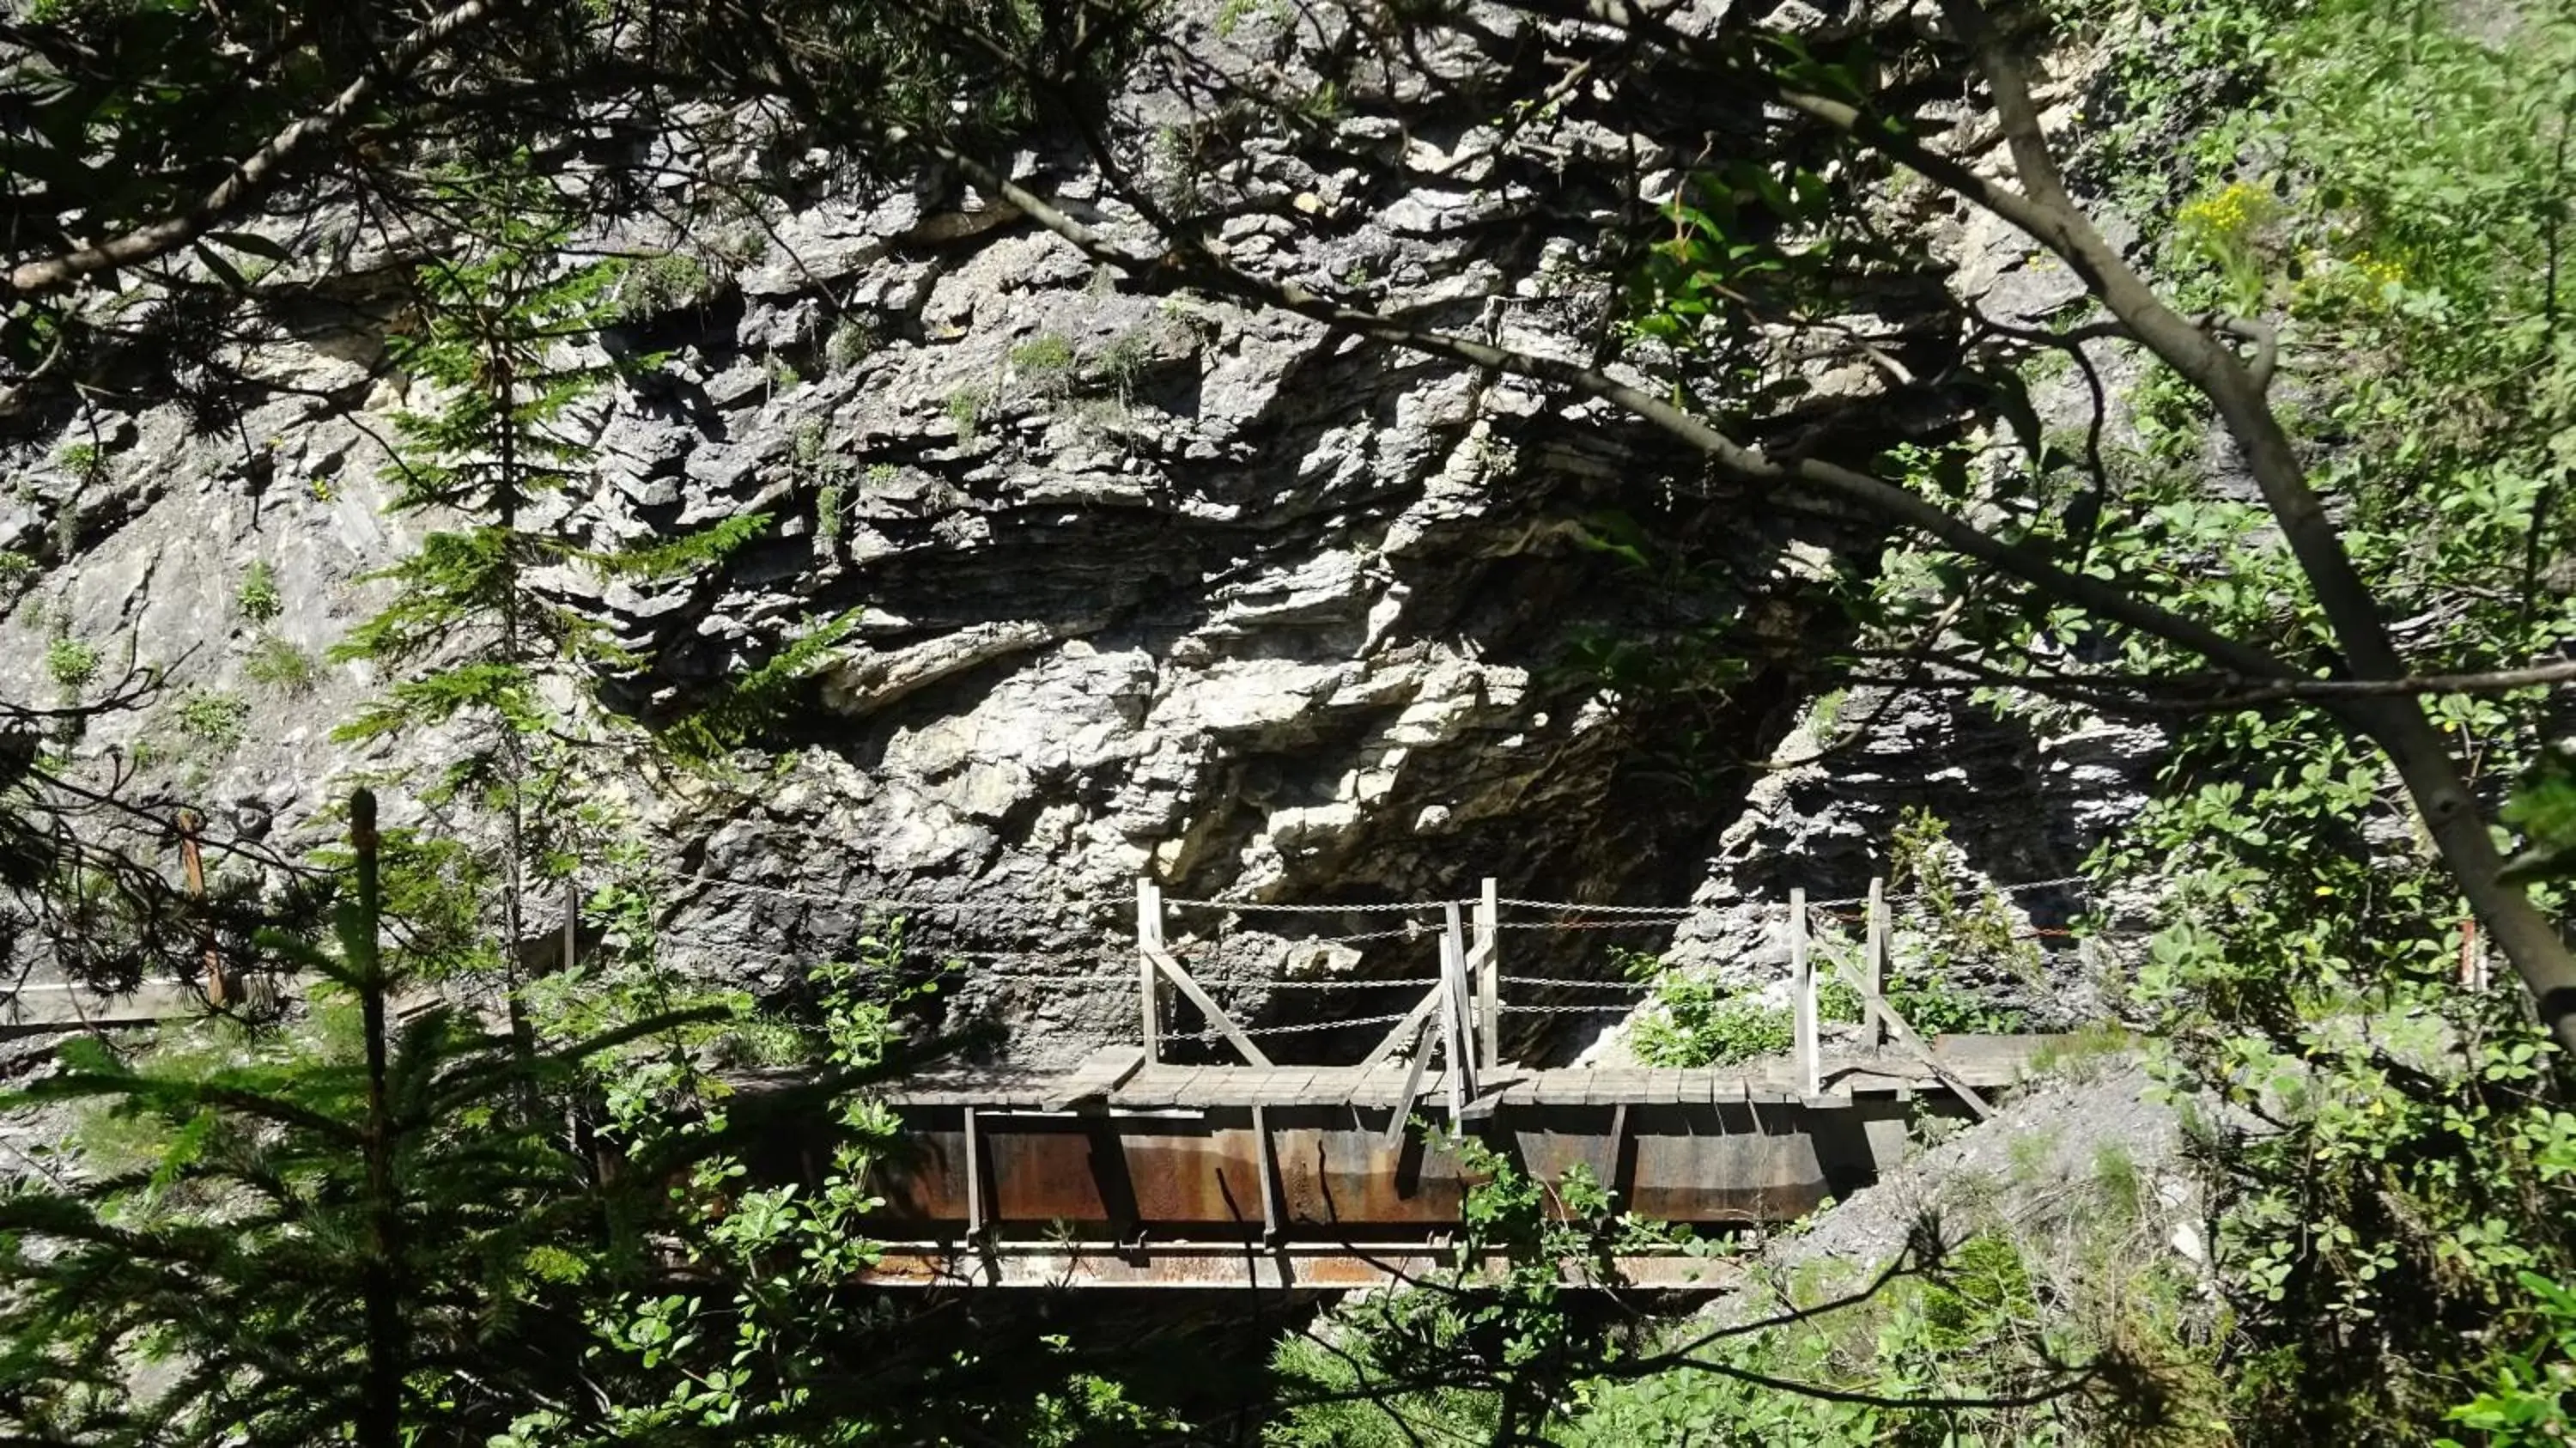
(1149, 585)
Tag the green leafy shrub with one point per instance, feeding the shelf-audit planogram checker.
(831, 515)
(72, 662)
(1697, 1022)
(85, 461)
(258, 598)
(853, 341)
(965, 409)
(212, 719)
(1044, 363)
(283, 665)
(662, 284)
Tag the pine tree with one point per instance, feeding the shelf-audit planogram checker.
(344, 1233)
(502, 338)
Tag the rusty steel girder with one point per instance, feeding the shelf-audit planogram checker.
(1326, 1173)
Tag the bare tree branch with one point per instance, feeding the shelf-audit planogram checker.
(261, 171)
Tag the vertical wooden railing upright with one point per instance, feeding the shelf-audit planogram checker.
(1486, 954)
(1802, 985)
(1155, 965)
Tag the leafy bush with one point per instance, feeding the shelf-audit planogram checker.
(965, 408)
(1044, 363)
(258, 598)
(661, 284)
(215, 720)
(853, 341)
(283, 665)
(1696, 1022)
(72, 662)
(85, 461)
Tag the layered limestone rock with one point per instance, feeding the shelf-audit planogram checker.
(1147, 585)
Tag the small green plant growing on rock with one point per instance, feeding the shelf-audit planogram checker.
(1044, 363)
(966, 408)
(661, 284)
(258, 598)
(853, 341)
(1700, 1023)
(1121, 364)
(282, 665)
(72, 662)
(212, 718)
(86, 462)
(830, 513)
(17, 570)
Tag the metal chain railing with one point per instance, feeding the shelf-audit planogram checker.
(1570, 915)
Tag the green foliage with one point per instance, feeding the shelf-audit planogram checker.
(853, 341)
(1237, 15)
(1122, 362)
(1955, 928)
(658, 285)
(1698, 1023)
(318, 1229)
(966, 407)
(258, 598)
(17, 570)
(2527, 1406)
(2543, 810)
(756, 697)
(282, 664)
(212, 719)
(831, 516)
(753, 1337)
(1043, 366)
(85, 461)
(1484, 1350)
(72, 662)
(2381, 1234)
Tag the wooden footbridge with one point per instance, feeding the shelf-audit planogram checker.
(1139, 1168)
(1133, 1170)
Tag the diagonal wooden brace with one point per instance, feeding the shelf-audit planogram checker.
(1206, 1003)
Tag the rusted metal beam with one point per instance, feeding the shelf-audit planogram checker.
(1335, 1170)
(1321, 1267)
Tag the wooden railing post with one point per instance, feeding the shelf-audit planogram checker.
(1802, 984)
(1489, 978)
(1455, 1032)
(192, 863)
(1874, 962)
(572, 922)
(1149, 939)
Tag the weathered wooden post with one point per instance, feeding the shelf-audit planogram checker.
(1802, 984)
(1489, 976)
(1149, 939)
(572, 922)
(1874, 964)
(192, 863)
(1455, 1032)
